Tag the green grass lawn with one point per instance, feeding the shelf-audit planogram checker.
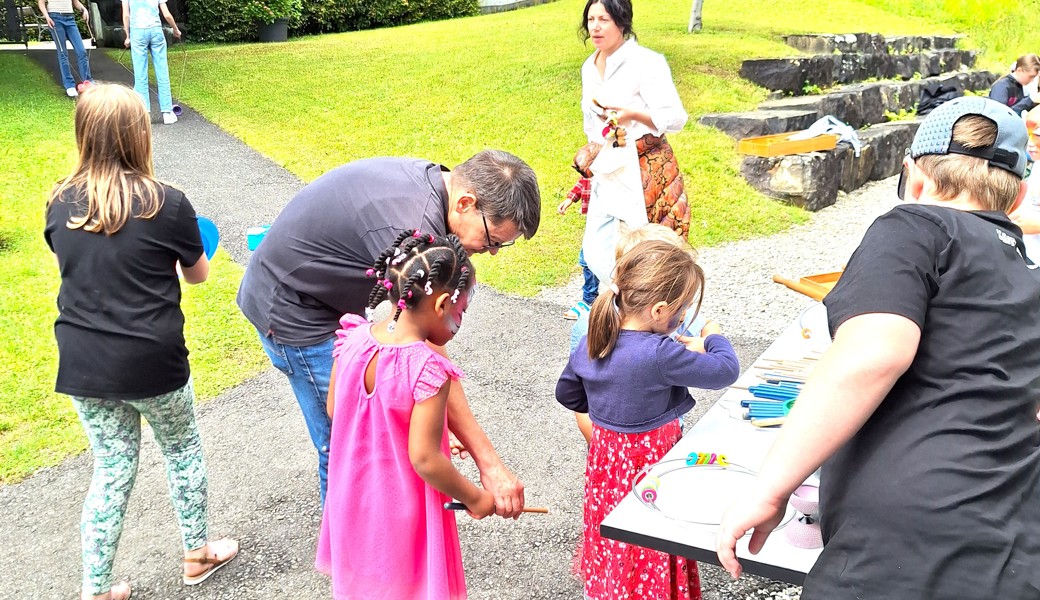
(511, 80)
(37, 426)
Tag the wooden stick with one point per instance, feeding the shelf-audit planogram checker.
(541, 510)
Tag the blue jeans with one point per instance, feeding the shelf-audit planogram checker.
(309, 369)
(590, 289)
(143, 41)
(65, 28)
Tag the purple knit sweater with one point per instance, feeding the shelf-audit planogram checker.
(643, 383)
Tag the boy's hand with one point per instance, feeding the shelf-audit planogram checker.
(562, 208)
(483, 507)
(753, 513)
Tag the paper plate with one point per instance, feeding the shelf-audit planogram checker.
(210, 236)
(697, 495)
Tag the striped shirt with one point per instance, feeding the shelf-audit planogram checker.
(60, 6)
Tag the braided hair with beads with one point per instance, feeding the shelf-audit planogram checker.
(416, 265)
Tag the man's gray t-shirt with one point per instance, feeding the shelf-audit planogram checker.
(310, 269)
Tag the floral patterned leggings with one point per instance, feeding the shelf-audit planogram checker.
(114, 430)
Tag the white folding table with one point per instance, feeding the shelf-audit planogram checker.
(719, 432)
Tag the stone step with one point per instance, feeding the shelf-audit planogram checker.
(812, 180)
(865, 104)
(760, 122)
(869, 43)
(793, 75)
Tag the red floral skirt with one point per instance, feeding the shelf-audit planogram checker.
(614, 570)
(663, 189)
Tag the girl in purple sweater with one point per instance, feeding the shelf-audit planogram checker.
(632, 380)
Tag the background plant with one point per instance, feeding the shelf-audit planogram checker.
(266, 11)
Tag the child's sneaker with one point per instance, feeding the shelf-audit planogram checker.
(575, 311)
(71, 92)
(168, 118)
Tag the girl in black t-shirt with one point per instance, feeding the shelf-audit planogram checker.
(1010, 89)
(119, 236)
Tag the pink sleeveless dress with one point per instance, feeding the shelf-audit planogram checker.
(385, 534)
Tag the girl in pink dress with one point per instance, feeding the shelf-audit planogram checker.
(385, 533)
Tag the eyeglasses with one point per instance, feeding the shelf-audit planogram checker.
(487, 234)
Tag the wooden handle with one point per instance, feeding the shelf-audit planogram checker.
(541, 510)
(799, 287)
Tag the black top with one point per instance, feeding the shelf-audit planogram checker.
(310, 269)
(936, 496)
(120, 329)
(1008, 91)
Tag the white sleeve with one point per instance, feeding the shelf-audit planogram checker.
(661, 97)
(592, 126)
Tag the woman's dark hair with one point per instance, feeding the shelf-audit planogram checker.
(417, 265)
(620, 12)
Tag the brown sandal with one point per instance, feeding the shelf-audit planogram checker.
(212, 559)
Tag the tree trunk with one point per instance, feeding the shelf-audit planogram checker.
(695, 16)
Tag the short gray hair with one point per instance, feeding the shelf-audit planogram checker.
(505, 187)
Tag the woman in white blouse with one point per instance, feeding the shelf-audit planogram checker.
(635, 82)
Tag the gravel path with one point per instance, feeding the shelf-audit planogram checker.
(261, 465)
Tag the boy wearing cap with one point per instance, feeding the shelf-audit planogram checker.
(923, 412)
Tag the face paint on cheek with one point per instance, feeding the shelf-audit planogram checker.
(458, 310)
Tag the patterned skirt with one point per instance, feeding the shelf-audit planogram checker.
(663, 185)
(614, 570)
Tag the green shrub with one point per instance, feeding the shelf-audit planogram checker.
(347, 15)
(267, 11)
(236, 21)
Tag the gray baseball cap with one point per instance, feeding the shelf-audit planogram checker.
(935, 136)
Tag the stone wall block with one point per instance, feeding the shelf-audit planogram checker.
(904, 66)
(809, 181)
(775, 73)
(855, 170)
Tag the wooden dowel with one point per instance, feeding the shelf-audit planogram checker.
(541, 510)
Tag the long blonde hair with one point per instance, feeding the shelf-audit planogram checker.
(114, 170)
(651, 272)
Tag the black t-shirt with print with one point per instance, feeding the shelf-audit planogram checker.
(937, 495)
(120, 325)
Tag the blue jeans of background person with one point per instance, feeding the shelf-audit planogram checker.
(590, 289)
(142, 42)
(309, 369)
(65, 28)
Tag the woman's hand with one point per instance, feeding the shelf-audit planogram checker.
(626, 115)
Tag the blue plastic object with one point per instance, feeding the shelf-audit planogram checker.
(255, 235)
(210, 236)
